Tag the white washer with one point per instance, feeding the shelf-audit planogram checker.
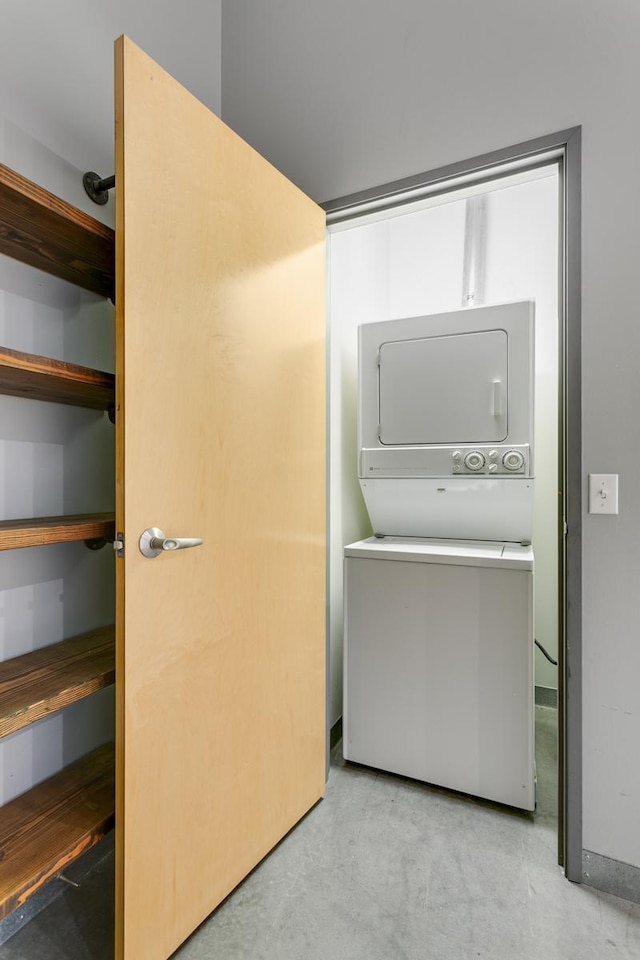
(438, 663)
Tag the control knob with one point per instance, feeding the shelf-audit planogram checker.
(513, 460)
(474, 461)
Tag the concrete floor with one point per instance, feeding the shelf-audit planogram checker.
(384, 869)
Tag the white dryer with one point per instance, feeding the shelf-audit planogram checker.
(445, 423)
(438, 669)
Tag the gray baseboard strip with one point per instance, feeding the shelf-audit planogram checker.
(611, 876)
(55, 888)
(546, 697)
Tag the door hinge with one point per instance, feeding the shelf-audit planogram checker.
(118, 545)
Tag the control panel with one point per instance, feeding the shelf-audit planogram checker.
(484, 460)
(489, 460)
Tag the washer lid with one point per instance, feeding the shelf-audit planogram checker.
(468, 553)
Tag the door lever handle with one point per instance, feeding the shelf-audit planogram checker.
(153, 542)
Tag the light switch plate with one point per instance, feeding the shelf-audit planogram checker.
(603, 493)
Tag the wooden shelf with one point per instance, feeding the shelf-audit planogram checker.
(38, 228)
(42, 531)
(51, 825)
(39, 378)
(39, 683)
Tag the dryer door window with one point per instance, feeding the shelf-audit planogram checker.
(440, 390)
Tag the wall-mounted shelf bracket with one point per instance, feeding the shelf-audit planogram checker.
(98, 188)
(96, 543)
(71, 883)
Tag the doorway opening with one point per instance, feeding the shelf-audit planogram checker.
(498, 228)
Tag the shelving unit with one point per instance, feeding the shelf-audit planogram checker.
(42, 531)
(39, 683)
(49, 826)
(38, 228)
(39, 378)
(46, 829)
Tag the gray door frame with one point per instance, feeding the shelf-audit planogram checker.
(565, 148)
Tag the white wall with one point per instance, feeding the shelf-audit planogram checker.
(56, 64)
(346, 96)
(413, 265)
(522, 262)
(56, 121)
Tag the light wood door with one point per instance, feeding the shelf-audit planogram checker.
(220, 407)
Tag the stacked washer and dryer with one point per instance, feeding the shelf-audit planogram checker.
(438, 639)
